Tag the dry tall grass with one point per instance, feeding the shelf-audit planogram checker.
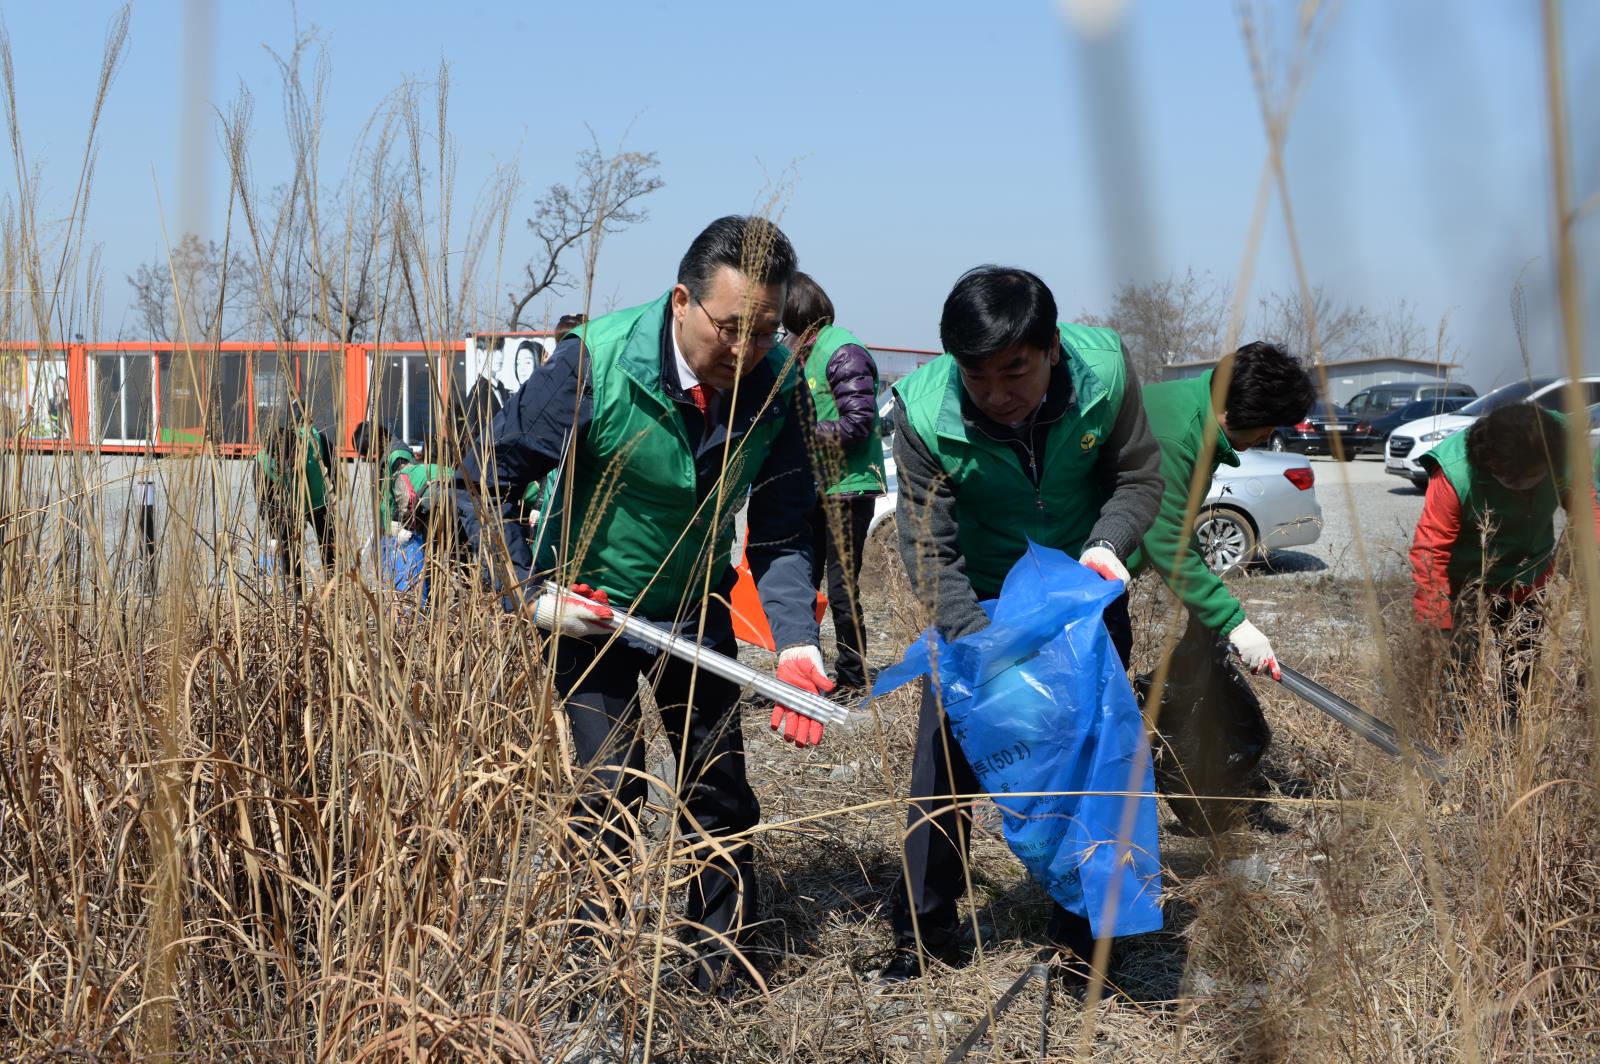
(238, 825)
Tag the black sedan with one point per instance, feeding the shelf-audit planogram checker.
(1421, 408)
(1315, 435)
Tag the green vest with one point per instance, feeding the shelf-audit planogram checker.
(1521, 524)
(638, 527)
(998, 508)
(1179, 413)
(314, 495)
(860, 469)
(429, 481)
(397, 459)
(531, 496)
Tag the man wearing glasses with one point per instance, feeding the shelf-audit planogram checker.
(658, 423)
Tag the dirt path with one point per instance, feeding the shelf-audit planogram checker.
(1227, 949)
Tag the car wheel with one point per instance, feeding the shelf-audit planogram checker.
(1276, 443)
(1420, 483)
(1227, 541)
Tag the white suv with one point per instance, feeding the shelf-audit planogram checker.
(1414, 439)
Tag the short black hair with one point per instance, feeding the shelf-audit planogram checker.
(372, 439)
(367, 438)
(1517, 441)
(996, 308)
(1269, 387)
(568, 322)
(748, 243)
(808, 306)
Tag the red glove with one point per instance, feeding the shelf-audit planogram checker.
(802, 667)
(582, 611)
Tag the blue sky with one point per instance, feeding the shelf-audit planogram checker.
(921, 138)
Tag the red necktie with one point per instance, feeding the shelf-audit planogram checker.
(700, 395)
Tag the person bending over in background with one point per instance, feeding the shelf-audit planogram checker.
(1486, 540)
(847, 455)
(374, 443)
(295, 477)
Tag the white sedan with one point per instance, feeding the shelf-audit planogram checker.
(1414, 439)
(1267, 503)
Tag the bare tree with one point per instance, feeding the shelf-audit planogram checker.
(1343, 330)
(282, 300)
(604, 199)
(323, 260)
(1398, 334)
(199, 293)
(1173, 320)
(351, 287)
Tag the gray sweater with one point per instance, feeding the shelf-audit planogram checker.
(1129, 466)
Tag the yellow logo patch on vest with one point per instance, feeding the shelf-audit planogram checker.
(1087, 443)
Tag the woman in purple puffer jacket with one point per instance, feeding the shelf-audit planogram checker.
(847, 456)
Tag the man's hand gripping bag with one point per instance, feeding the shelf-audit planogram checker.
(1041, 706)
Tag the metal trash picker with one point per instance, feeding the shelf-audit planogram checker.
(1364, 724)
(685, 649)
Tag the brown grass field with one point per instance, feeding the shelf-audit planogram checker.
(348, 833)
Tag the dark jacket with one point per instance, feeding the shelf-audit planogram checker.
(853, 379)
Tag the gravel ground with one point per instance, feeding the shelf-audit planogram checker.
(1359, 500)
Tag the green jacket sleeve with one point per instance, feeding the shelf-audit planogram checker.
(1180, 563)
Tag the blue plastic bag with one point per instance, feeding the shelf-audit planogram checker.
(401, 563)
(1042, 709)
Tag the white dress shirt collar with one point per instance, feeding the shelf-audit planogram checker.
(687, 378)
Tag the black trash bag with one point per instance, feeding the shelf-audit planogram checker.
(1210, 735)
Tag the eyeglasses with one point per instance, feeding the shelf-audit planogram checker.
(731, 334)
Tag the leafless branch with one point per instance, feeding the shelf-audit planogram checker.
(603, 199)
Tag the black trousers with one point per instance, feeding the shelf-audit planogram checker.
(939, 827)
(839, 535)
(602, 704)
(289, 529)
(1514, 627)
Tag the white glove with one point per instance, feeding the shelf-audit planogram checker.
(401, 534)
(1104, 562)
(578, 612)
(1254, 649)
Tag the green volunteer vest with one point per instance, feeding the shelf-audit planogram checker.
(397, 459)
(314, 495)
(638, 528)
(531, 495)
(421, 474)
(1522, 534)
(860, 469)
(998, 509)
(1179, 413)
